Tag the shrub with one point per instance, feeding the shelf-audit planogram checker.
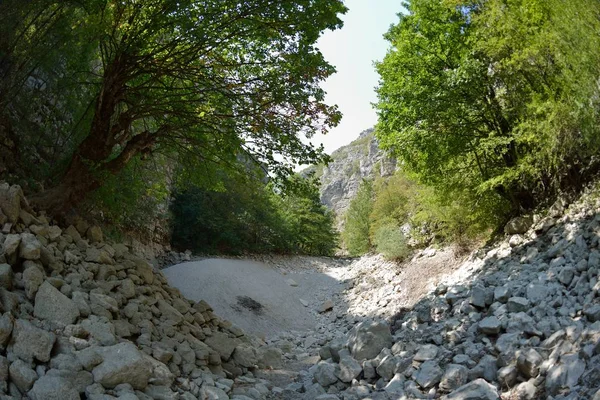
(391, 242)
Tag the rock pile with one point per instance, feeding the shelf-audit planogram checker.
(518, 321)
(84, 317)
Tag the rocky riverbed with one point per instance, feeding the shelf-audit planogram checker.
(85, 318)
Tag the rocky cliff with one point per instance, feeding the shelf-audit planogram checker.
(351, 164)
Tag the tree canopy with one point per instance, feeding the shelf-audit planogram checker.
(203, 81)
(494, 98)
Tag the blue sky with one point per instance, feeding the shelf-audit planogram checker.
(352, 50)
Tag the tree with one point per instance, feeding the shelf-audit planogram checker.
(357, 221)
(207, 79)
(494, 99)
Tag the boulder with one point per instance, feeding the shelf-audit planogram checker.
(52, 305)
(429, 374)
(51, 387)
(325, 374)
(518, 225)
(367, 339)
(30, 247)
(349, 369)
(22, 375)
(222, 344)
(122, 363)
(30, 342)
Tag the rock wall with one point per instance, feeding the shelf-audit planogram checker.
(351, 164)
(85, 317)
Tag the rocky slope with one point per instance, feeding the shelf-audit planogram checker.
(520, 320)
(84, 318)
(351, 164)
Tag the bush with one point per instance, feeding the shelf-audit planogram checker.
(357, 221)
(391, 242)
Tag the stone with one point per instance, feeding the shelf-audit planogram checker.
(367, 339)
(592, 312)
(245, 355)
(31, 342)
(6, 276)
(518, 225)
(478, 297)
(269, 357)
(566, 275)
(479, 389)
(528, 362)
(11, 198)
(22, 375)
(454, 377)
(426, 353)
(507, 376)
(526, 390)
(52, 305)
(100, 329)
(326, 306)
(490, 326)
(122, 363)
(33, 277)
(517, 304)
(222, 344)
(11, 244)
(429, 374)
(30, 248)
(94, 234)
(50, 387)
(349, 369)
(387, 367)
(501, 294)
(536, 293)
(325, 374)
(6, 327)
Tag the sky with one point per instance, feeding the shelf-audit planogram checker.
(352, 50)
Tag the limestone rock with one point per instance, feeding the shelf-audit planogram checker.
(122, 363)
(52, 305)
(30, 247)
(429, 374)
(222, 344)
(349, 369)
(32, 278)
(31, 342)
(50, 387)
(479, 389)
(366, 339)
(22, 375)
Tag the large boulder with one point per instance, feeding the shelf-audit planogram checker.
(52, 305)
(122, 363)
(222, 344)
(30, 342)
(367, 339)
(518, 225)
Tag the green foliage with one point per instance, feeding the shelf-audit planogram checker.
(495, 103)
(247, 215)
(357, 222)
(391, 242)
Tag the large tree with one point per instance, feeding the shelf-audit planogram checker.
(482, 96)
(208, 79)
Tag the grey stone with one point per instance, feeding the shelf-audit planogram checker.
(517, 304)
(122, 363)
(367, 339)
(30, 248)
(32, 278)
(51, 387)
(161, 393)
(479, 389)
(592, 312)
(518, 225)
(325, 306)
(222, 344)
(6, 276)
(426, 353)
(11, 198)
(501, 294)
(52, 305)
(566, 275)
(22, 375)
(490, 326)
(528, 362)
(349, 369)
(94, 234)
(245, 355)
(6, 327)
(429, 374)
(536, 293)
(478, 297)
(507, 376)
(11, 244)
(455, 376)
(387, 367)
(31, 342)
(325, 374)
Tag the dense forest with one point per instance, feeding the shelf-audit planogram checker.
(492, 108)
(189, 117)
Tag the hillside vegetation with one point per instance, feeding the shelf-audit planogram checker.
(492, 110)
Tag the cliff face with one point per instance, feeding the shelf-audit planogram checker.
(351, 164)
